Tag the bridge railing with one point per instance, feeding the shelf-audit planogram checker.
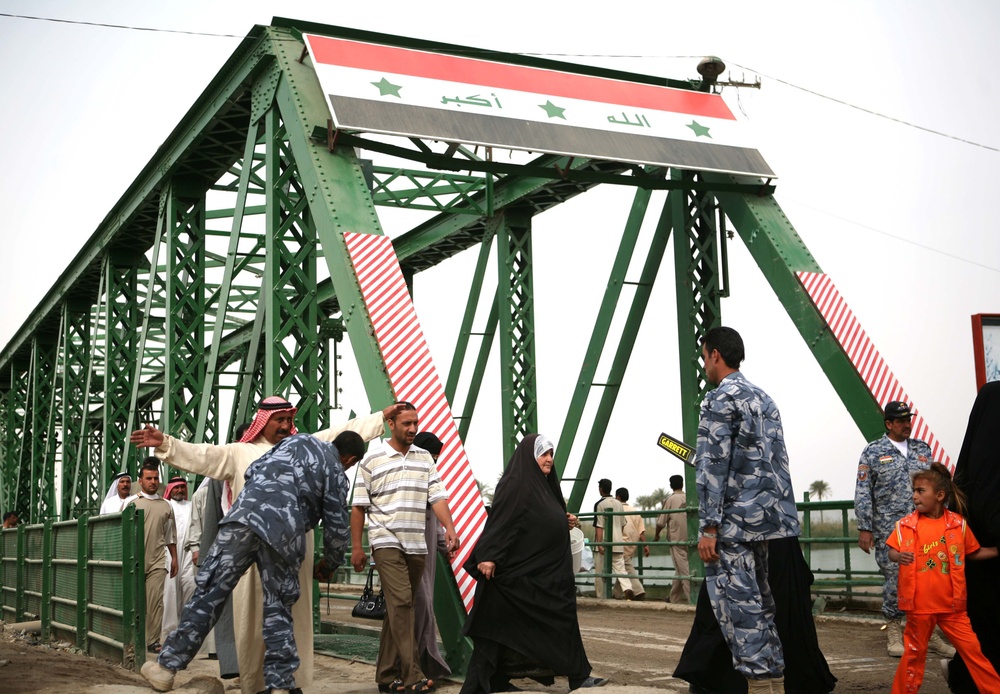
(83, 579)
(842, 578)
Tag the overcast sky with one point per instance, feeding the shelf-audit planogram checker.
(899, 217)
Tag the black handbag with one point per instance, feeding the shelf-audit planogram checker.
(370, 606)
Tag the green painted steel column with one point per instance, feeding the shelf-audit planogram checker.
(334, 185)
(186, 307)
(516, 302)
(75, 355)
(291, 354)
(44, 410)
(479, 371)
(208, 397)
(46, 601)
(338, 197)
(697, 273)
(468, 318)
(598, 339)
(120, 315)
(81, 583)
(21, 570)
(630, 331)
(19, 470)
(7, 460)
(133, 584)
(780, 252)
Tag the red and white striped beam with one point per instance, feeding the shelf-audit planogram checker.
(874, 372)
(414, 378)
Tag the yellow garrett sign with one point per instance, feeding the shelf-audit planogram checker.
(677, 448)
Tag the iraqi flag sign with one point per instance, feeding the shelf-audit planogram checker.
(377, 88)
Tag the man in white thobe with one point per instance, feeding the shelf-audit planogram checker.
(119, 492)
(179, 589)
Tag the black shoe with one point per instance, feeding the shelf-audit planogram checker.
(154, 647)
(395, 687)
(591, 682)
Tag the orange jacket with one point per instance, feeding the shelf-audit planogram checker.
(906, 529)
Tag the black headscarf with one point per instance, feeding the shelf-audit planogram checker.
(523, 475)
(527, 515)
(429, 442)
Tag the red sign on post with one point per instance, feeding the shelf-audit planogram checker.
(986, 347)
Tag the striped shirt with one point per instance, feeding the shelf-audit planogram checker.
(396, 489)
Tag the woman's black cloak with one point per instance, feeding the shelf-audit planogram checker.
(977, 473)
(707, 661)
(529, 605)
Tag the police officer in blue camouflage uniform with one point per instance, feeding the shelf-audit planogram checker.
(883, 495)
(288, 491)
(745, 498)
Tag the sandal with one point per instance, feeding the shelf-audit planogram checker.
(421, 687)
(396, 687)
(154, 647)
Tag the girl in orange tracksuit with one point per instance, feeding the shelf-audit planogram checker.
(932, 545)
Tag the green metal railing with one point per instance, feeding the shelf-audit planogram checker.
(842, 581)
(83, 579)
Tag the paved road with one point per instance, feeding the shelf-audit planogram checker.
(638, 644)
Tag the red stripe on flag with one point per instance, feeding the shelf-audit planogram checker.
(494, 75)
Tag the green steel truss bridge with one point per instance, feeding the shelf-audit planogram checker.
(222, 275)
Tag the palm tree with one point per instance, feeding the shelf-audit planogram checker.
(647, 502)
(485, 491)
(819, 490)
(643, 501)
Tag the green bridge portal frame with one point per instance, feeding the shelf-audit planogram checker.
(221, 275)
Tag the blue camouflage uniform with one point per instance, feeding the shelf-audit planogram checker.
(883, 495)
(745, 490)
(288, 491)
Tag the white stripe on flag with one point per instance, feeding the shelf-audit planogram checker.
(461, 97)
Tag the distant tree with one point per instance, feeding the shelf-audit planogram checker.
(485, 491)
(818, 491)
(648, 502)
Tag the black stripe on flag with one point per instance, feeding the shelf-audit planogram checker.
(470, 128)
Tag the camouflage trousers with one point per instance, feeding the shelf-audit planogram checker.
(743, 605)
(890, 570)
(235, 549)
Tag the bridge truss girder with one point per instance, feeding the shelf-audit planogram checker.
(222, 276)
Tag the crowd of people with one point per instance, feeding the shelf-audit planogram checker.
(239, 556)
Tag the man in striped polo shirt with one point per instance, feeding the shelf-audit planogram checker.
(395, 484)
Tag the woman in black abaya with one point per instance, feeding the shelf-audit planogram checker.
(977, 473)
(706, 661)
(526, 594)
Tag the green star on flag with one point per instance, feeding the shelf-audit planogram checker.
(698, 129)
(387, 88)
(552, 111)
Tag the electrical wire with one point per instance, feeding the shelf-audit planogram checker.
(895, 237)
(812, 92)
(120, 26)
(870, 111)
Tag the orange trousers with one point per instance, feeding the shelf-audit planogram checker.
(955, 625)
